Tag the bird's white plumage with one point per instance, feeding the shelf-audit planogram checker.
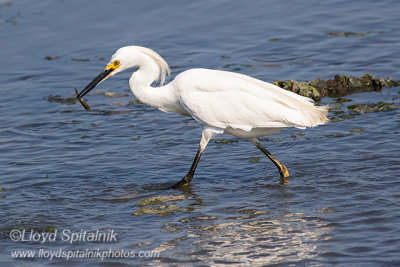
(221, 101)
(225, 101)
(229, 100)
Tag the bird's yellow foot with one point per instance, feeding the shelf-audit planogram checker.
(284, 174)
(283, 171)
(184, 182)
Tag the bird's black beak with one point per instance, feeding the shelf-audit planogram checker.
(101, 77)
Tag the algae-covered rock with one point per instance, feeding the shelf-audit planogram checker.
(339, 86)
(301, 88)
(343, 85)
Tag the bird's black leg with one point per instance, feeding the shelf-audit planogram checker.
(189, 176)
(205, 138)
(282, 168)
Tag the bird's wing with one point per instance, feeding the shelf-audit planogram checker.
(225, 99)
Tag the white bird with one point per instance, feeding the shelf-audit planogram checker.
(222, 101)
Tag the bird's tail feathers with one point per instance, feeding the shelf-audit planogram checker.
(314, 115)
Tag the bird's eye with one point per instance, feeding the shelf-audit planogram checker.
(116, 63)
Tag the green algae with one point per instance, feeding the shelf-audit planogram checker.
(357, 130)
(372, 107)
(60, 99)
(254, 159)
(348, 34)
(67, 100)
(159, 200)
(161, 210)
(2, 189)
(338, 112)
(158, 205)
(269, 140)
(298, 134)
(80, 59)
(340, 118)
(337, 135)
(199, 218)
(51, 57)
(327, 210)
(134, 103)
(135, 138)
(341, 100)
(50, 229)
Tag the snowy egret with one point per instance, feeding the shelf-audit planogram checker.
(221, 101)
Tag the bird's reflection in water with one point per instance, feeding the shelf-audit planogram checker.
(292, 237)
(242, 235)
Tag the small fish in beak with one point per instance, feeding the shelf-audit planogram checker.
(99, 79)
(84, 104)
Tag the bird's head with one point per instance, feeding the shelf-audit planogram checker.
(124, 58)
(128, 57)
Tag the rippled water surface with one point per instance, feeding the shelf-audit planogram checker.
(66, 169)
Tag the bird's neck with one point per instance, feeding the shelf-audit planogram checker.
(159, 97)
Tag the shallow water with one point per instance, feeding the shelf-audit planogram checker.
(63, 168)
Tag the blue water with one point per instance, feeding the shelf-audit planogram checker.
(66, 169)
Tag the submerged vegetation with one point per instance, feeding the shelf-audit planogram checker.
(351, 34)
(340, 113)
(2, 195)
(370, 108)
(158, 205)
